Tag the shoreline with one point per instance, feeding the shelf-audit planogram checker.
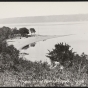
(20, 43)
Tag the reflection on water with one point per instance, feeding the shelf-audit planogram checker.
(26, 47)
(33, 44)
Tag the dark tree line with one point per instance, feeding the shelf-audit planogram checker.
(23, 31)
(6, 32)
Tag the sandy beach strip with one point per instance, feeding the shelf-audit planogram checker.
(20, 43)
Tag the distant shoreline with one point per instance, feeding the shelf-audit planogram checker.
(44, 22)
(43, 19)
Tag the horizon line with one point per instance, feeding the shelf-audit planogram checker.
(45, 15)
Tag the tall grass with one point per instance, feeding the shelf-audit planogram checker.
(39, 74)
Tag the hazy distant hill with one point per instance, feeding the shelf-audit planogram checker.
(38, 19)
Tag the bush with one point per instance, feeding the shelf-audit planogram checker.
(9, 56)
(5, 32)
(62, 53)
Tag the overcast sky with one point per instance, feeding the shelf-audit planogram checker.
(22, 9)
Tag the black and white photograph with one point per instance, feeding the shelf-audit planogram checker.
(44, 44)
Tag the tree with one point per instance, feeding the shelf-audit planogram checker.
(32, 30)
(23, 31)
(15, 31)
(5, 32)
(9, 55)
(62, 53)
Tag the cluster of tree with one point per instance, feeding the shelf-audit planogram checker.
(61, 54)
(6, 32)
(15, 30)
(9, 55)
(23, 31)
(67, 58)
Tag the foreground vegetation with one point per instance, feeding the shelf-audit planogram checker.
(15, 71)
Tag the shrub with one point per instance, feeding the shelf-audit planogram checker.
(62, 53)
(5, 32)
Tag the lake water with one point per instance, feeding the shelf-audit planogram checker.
(78, 41)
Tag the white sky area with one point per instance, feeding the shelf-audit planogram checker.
(23, 9)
